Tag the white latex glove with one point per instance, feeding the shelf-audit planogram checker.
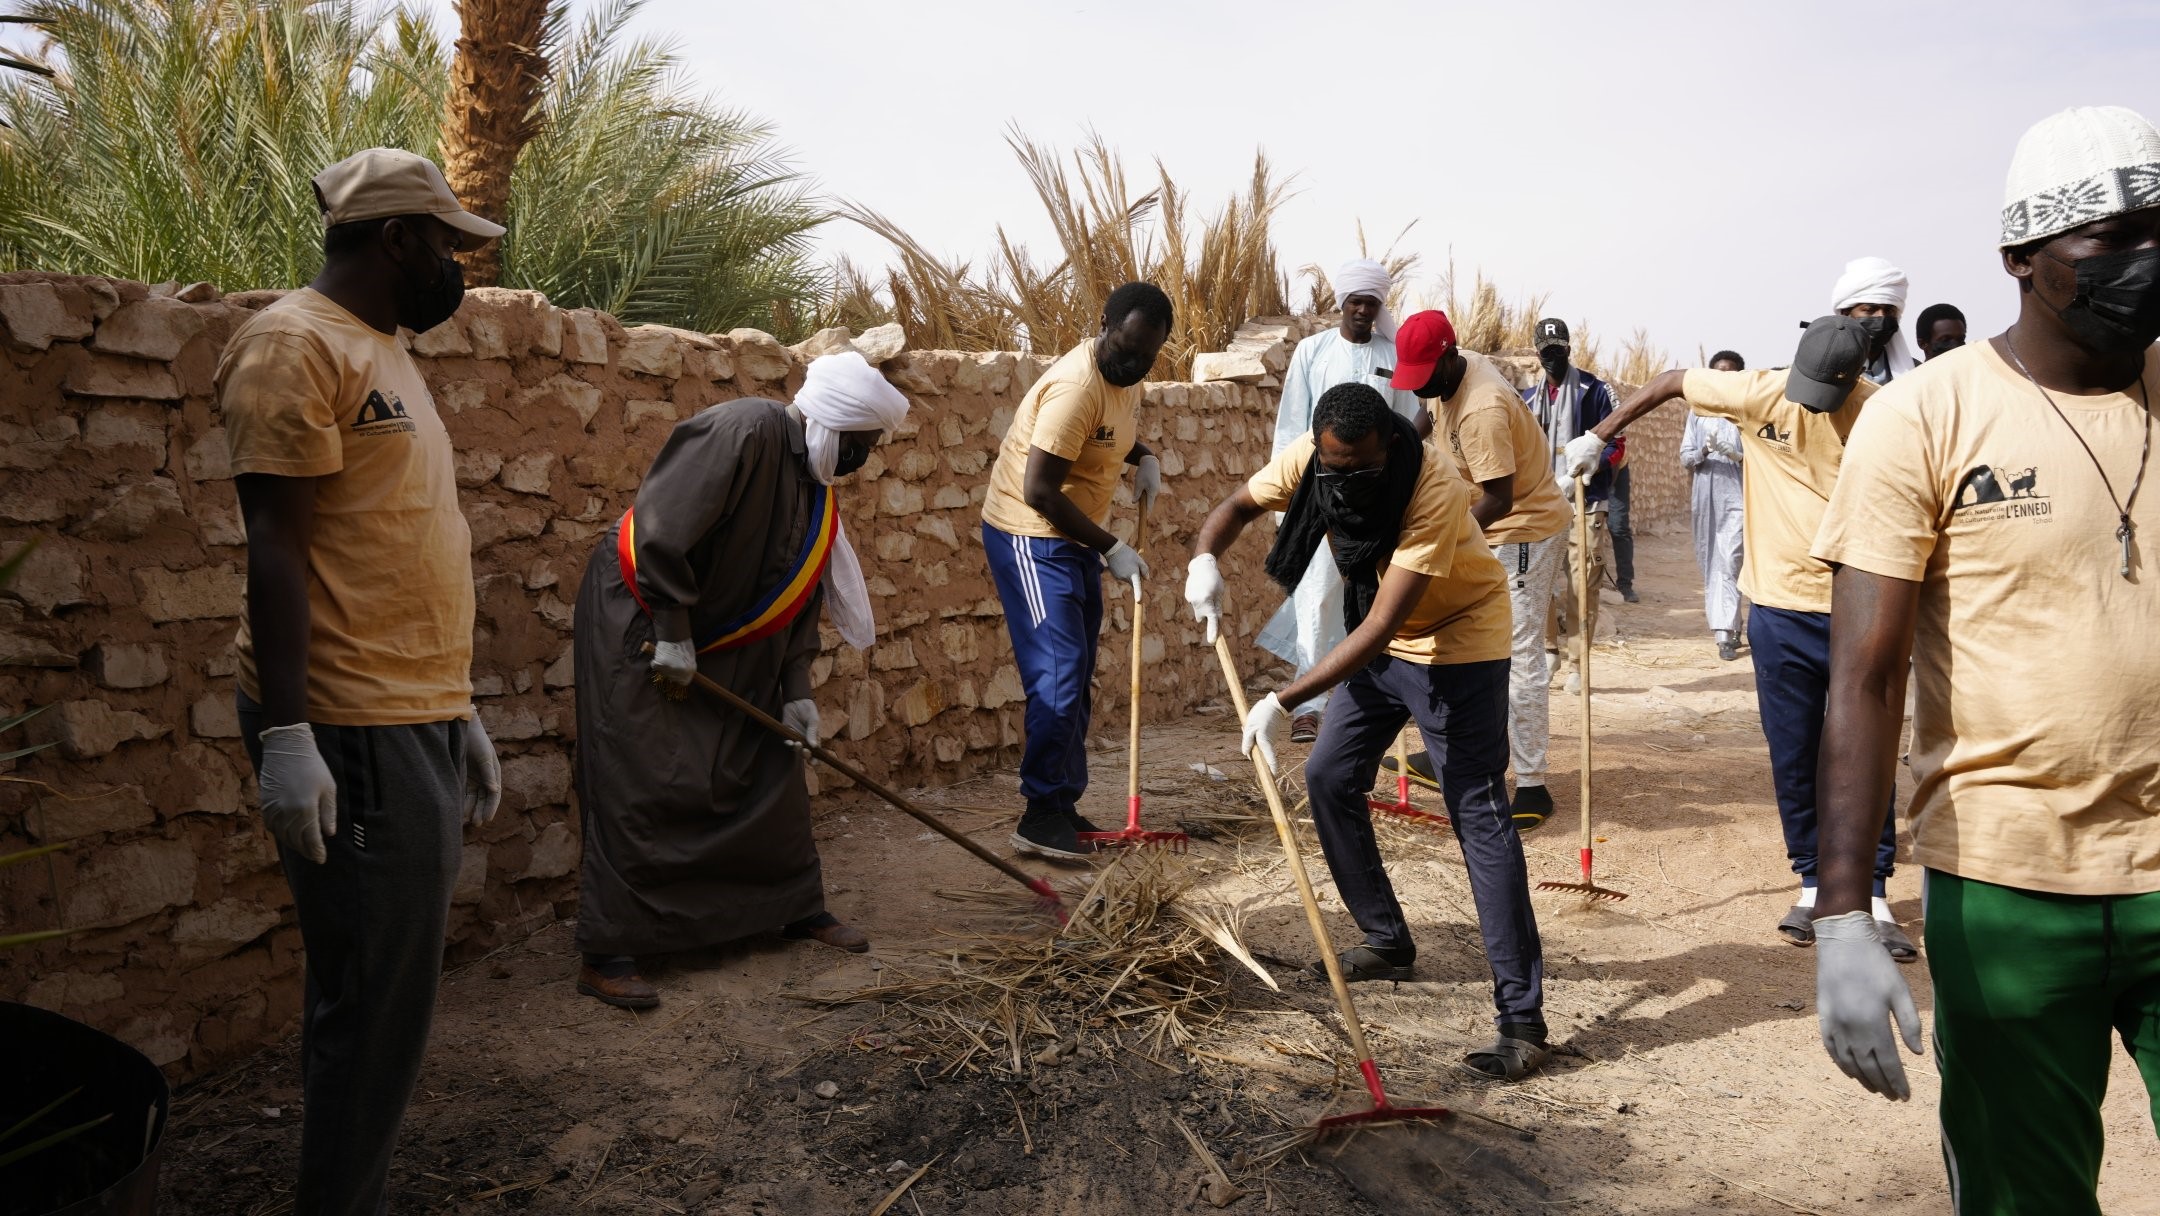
(802, 718)
(1263, 724)
(1147, 482)
(299, 797)
(1204, 591)
(674, 663)
(1727, 450)
(482, 769)
(1125, 563)
(1857, 991)
(1581, 455)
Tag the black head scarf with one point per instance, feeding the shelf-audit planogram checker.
(1360, 539)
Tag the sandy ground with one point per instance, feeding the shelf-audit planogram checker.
(1690, 1077)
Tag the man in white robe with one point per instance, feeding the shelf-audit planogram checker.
(1360, 350)
(1710, 450)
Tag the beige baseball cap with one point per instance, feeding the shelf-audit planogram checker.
(384, 182)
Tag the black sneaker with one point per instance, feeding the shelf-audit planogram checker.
(1047, 834)
(1727, 651)
(1533, 805)
(1628, 594)
(1080, 823)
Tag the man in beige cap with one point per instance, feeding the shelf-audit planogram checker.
(1989, 524)
(355, 685)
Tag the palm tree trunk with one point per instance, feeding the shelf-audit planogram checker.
(495, 83)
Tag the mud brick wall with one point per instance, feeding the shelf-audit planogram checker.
(112, 458)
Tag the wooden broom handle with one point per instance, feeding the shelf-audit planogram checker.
(1297, 863)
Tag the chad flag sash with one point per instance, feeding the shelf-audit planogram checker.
(773, 610)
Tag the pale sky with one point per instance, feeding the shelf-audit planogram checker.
(1703, 171)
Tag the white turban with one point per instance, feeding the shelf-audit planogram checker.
(1365, 277)
(1876, 281)
(844, 393)
(2084, 164)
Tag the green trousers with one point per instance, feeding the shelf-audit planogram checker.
(2027, 987)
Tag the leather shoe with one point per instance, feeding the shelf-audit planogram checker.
(624, 992)
(828, 929)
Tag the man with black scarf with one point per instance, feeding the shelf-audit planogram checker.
(1426, 607)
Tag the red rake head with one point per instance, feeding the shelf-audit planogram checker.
(1176, 842)
(1380, 1114)
(1587, 890)
(1383, 1111)
(1049, 898)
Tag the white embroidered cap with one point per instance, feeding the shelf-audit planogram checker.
(2084, 164)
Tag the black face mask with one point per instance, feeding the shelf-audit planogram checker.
(2117, 306)
(1556, 363)
(1352, 498)
(423, 306)
(1879, 328)
(854, 454)
(1123, 370)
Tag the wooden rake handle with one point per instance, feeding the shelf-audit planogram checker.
(862, 779)
(1297, 869)
(1132, 745)
(1583, 592)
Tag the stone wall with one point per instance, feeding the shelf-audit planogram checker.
(121, 623)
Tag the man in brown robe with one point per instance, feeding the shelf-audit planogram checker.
(696, 819)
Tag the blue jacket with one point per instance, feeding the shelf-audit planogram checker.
(1591, 408)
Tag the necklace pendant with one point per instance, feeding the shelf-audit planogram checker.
(2125, 533)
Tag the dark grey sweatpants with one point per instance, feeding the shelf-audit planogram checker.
(1461, 710)
(372, 919)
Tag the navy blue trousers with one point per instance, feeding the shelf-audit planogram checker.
(1792, 690)
(1052, 592)
(1462, 711)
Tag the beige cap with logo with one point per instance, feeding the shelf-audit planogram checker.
(382, 182)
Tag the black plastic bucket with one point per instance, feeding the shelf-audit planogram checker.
(111, 1168)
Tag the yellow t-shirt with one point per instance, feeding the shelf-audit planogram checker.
(1791, 466)
(1463, 616)
(1492, 435)
(1074, 413)
(2036, 728)
(309, 390)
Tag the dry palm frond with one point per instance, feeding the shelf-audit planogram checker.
(1639, 360)
(1217, 273)
(1129, 960)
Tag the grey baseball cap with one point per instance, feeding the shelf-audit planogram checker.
(1832, 353)
(1552, 331)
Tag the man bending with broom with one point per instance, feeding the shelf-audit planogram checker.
(697, 819)
(1426, 607)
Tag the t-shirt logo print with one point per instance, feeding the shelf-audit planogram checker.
(382, 415)
(1769, 433)
(2005, 493)
(1104, 435)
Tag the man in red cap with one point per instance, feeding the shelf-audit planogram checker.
(1425, 608)
(1499, 447)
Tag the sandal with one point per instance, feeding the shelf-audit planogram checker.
(1799, 926)
(1362, 963)
(1508, 1059)
(1894, 940)
(1421, 770)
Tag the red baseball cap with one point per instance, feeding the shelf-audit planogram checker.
(1420, 344)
